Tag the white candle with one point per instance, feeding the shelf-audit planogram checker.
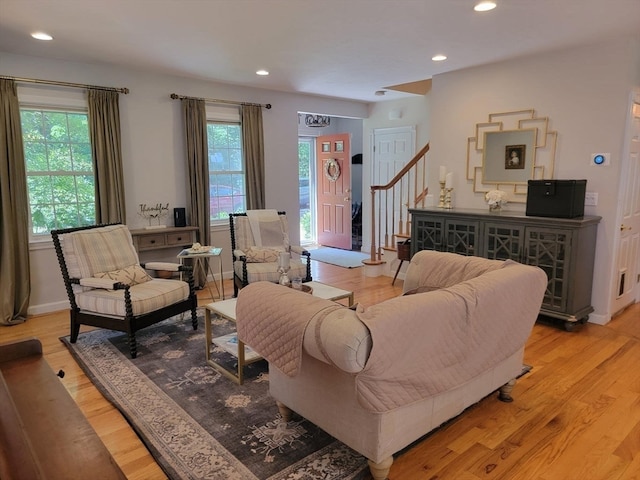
(283, 260)
(443, 173)
(448, 183)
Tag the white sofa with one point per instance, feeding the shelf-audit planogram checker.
(380, 378)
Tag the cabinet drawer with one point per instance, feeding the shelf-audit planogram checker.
(180, 238)
(151, 241)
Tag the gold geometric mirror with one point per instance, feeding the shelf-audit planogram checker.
(510, 149)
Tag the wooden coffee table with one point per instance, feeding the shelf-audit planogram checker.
(227, 309)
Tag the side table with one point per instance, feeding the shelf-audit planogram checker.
(199, 262)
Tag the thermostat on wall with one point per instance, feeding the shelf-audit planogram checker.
(600, 159)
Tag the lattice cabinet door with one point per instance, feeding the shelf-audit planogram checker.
(463, 237)
(503, 241)
(550, 249)
(428, 234)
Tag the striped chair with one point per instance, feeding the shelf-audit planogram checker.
(108, 287)
(254, 264)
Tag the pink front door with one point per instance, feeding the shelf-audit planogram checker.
(334, 190)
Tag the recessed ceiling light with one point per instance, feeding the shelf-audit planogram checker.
(262, 72)
(484, 6)
(380, 93)
(41, 36)
(438, 58)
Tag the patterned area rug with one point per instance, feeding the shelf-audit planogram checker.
(197, 423)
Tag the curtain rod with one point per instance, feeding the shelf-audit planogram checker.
(175, 96)
(65, 84)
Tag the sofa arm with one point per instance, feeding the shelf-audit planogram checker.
(340, 339)
(331, 332)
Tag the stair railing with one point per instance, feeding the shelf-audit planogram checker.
(407, 189)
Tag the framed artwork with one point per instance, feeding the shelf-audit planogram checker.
(514, 157)
(326, 146)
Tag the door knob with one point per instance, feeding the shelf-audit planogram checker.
(624, 227)
(347, 199)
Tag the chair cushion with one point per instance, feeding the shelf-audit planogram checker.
(145, 297)
(98, 250)
(263, 254)
(131, 275)
(268, 272)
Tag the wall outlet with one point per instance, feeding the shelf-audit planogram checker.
(591, 199)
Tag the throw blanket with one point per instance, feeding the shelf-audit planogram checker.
(275, 328)
(428, 343)
(265, 228)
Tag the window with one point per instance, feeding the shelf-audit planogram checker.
(60, 175)
(226, 170)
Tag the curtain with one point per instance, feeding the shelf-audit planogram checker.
(253, 147)
(104, 128)
(196, 149)
(15, 282)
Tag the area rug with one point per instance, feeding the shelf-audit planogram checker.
(336, 256)
(197, 423)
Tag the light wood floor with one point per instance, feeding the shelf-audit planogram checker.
(575, 416)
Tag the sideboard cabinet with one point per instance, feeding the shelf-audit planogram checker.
(563, 247)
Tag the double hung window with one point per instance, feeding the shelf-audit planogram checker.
(226, 170)
(59, 168)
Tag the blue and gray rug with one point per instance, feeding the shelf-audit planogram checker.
(200, 425)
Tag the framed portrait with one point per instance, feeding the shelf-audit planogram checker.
(339, 146)
(508, 156)
(514, 157)
(326, 146)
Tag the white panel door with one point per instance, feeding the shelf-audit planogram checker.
(393, 148)
(627, 267)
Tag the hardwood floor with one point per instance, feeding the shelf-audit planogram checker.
(576, 415)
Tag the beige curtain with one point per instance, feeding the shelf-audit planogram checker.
(104, 127)
(15, 283)
(195, 133)
(253, 147)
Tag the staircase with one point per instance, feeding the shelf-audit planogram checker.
(390, 204)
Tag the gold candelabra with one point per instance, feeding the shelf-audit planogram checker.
(441, 203)
(447, 198)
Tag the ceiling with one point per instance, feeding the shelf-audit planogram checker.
(337, 48)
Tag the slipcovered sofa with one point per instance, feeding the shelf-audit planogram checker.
(379, 378)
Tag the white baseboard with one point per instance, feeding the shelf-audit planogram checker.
(47, 308)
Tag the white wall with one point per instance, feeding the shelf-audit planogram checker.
(152, 146)
(584, 92)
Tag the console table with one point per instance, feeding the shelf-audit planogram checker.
(159, 238)
(563, 247)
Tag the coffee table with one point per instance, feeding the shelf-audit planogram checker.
(227, 309)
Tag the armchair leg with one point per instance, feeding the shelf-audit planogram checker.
(194, 316)
(133, 346)
(380, 471)
(74, 328)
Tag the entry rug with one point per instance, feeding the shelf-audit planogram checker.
(336, 256)
(197, 423)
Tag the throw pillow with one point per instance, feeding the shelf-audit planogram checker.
(131, 275)
(263, 254)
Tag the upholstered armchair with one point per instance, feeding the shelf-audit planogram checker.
(108, 287)
(257, 239)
